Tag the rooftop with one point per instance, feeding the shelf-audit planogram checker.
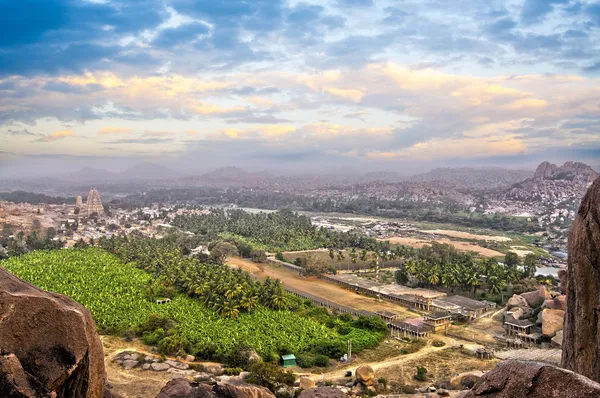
(518, 322)
(463, 302)
(389, 289)
(438, 315)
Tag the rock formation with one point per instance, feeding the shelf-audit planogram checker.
(365, 375)
(183, 388)
(512, 379)
(544, 171)
(93, 203)
(323, 392)
(569, 170)
(48, 344)
(552, 321)
(581, 342)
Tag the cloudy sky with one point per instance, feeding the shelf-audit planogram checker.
(286, 85)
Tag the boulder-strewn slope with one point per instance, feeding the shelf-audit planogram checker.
(48, 344)
(581, 342)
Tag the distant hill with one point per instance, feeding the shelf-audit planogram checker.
(230, 176)
(91, 174)
(568, 171)
(383, 176)
(474, 178)
(147, 171)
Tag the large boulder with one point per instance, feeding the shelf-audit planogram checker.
(322, 392)
(537, 297)
(552, 321)
(512, 379)
(563, 275)
(365, 375)
(581, 343)
(183, 388)
(516, 301)
(48, 342)
(557, 303)
(306, 383)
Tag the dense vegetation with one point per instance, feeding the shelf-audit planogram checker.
(19, 243)
(34, 198)
(121, 291)
(281, 230)
(449, 213)
(440, 264)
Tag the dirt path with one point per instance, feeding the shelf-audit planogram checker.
(319, 288)
(388, 363)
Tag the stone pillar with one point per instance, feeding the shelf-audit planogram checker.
(581, 336)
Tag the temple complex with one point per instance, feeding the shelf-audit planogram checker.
(93, 203)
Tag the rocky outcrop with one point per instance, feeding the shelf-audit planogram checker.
(564, 280)
(516, 301)
(544, 171)
(49, 344)
(569, 170)
(552, 321)
(537, 297)
(322, 392)
(183, 388)
(557, 303)
(581, 343)
(306, 384)
(511, 379)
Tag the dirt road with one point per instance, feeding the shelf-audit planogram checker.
(319, 288)
(396, 361)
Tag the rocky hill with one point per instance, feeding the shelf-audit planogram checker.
(474, 178)
(568, 171)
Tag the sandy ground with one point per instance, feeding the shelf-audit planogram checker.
(319, 288)
(134, 383)
(462, 246)
(396, 361)
(467, 235)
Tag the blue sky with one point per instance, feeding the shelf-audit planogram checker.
(294, 85)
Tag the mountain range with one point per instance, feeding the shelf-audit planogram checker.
(143, 171)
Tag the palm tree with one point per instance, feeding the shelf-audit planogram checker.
(353, 256)
(340, 257)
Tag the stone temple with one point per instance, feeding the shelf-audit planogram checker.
(79, 203)
(93, 203)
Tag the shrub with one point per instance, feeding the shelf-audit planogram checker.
(331, 348)
(304, 361)
(421, 372)
(321, 361)
(373, 323)
(174, 345)
(270, 375)
(153, 338)
(438, 343)
(233, 371)
(279, 256)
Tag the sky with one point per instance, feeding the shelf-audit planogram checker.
(297, 85)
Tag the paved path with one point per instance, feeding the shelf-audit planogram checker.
(547, 355)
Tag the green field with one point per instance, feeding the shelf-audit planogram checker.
(114, 293)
